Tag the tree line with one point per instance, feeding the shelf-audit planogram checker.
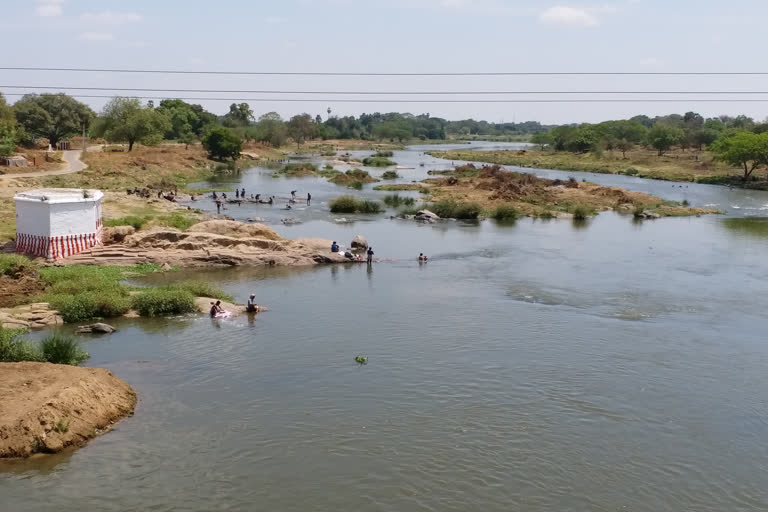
(739, 141)
(57, 117)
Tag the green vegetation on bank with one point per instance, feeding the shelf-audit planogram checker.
(453, 209)
(390, 175)
(400, 187)
(378, 161)
(176, 220)
(56, 348)
(354, 178)
(395, 201)
(351, 204)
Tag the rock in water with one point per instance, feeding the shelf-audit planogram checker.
(359, 242)
(95, 329)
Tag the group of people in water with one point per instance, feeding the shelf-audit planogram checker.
(241, 196)
(369, 253)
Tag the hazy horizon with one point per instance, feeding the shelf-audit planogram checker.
(395, 36)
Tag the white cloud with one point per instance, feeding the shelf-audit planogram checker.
(569, 16)
(50, 8)
(110, 18)
(96, 36)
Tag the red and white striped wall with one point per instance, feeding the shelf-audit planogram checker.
(57, 247)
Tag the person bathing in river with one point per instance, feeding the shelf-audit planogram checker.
(370, 255)
(242, 192)
(216, 308)
(293, 194)
(309, 198)
(237, 193)
(251, 306)
(422, 258)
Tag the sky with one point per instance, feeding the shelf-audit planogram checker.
(400, 36)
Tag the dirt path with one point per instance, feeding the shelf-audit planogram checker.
(72, 164)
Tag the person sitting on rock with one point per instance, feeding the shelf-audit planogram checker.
(334, 247)
(422, 258)
(348, 254)
(251, 306)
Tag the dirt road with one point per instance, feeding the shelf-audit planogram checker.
(72, 164)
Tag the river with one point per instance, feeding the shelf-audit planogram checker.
(538, 366)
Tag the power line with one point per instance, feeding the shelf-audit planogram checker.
(340, 73)
(368, 93)
(386, 100)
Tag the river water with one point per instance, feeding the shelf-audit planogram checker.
(539, 366)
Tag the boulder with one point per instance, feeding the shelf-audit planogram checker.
(649, 215)
(426, 216)
(117, 234)
(359, 242)
(97, 328)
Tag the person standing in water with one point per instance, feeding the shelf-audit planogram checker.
(309, 198)
(251, 306)
(218, 206)
(370, 255)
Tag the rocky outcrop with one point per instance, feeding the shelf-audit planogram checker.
(117, 234)
(426, 216)
(97, 328)
(46, 407)
(31, 316)
(213, 243)
(359, 242)
(646, 214)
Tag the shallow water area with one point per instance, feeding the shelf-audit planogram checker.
(538, 366)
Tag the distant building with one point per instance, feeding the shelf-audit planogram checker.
(57, 223)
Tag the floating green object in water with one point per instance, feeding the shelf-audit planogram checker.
(361, 359)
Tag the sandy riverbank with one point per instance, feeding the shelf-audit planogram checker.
(45, 408)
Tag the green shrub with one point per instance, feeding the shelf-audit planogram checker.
(178, 221)
(164, 302)
(505, 212)
(582, 212)
(130, 220)
(89, 305)
(452, 209)
(376, 161)
(222, 143)
(356, 185)
(63, 349)
(384, 154)
(396, 200)
(201, 289)
(546, 215)
(11, 264)
(350, 204)
(299, 169)
(15, 349)
(390, 175)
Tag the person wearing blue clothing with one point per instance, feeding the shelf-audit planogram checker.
(334, 247)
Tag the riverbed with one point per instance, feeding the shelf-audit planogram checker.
(541, 365)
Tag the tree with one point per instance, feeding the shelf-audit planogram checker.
(271, 129)
(300, 128)
(624, 145)
(10, 133)
(704, 137)
(663, 136)
(240, 114)
(125, 120)
(744, 149)
(543, 139)
(52, 116)
(222, 143)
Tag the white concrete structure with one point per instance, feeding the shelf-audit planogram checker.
(56, 223)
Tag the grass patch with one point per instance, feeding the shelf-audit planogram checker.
(14, 264)
(400, 187)
(63, 349)
(754, 226)
(156, 302)
(177, 220)
(298, 169)
(89, 305)
(505, 212)
(410, 210)
(384, 154)
(15, 349)
(130, 220)
(377, 161)
(390, 175)
(61, 426)
(396, 201)
(452, 209)
(352, 177)
(351, 204)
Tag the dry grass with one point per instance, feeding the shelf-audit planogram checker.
(674, 166)
(493, 187)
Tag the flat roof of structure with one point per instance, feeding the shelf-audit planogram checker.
(60, 195)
